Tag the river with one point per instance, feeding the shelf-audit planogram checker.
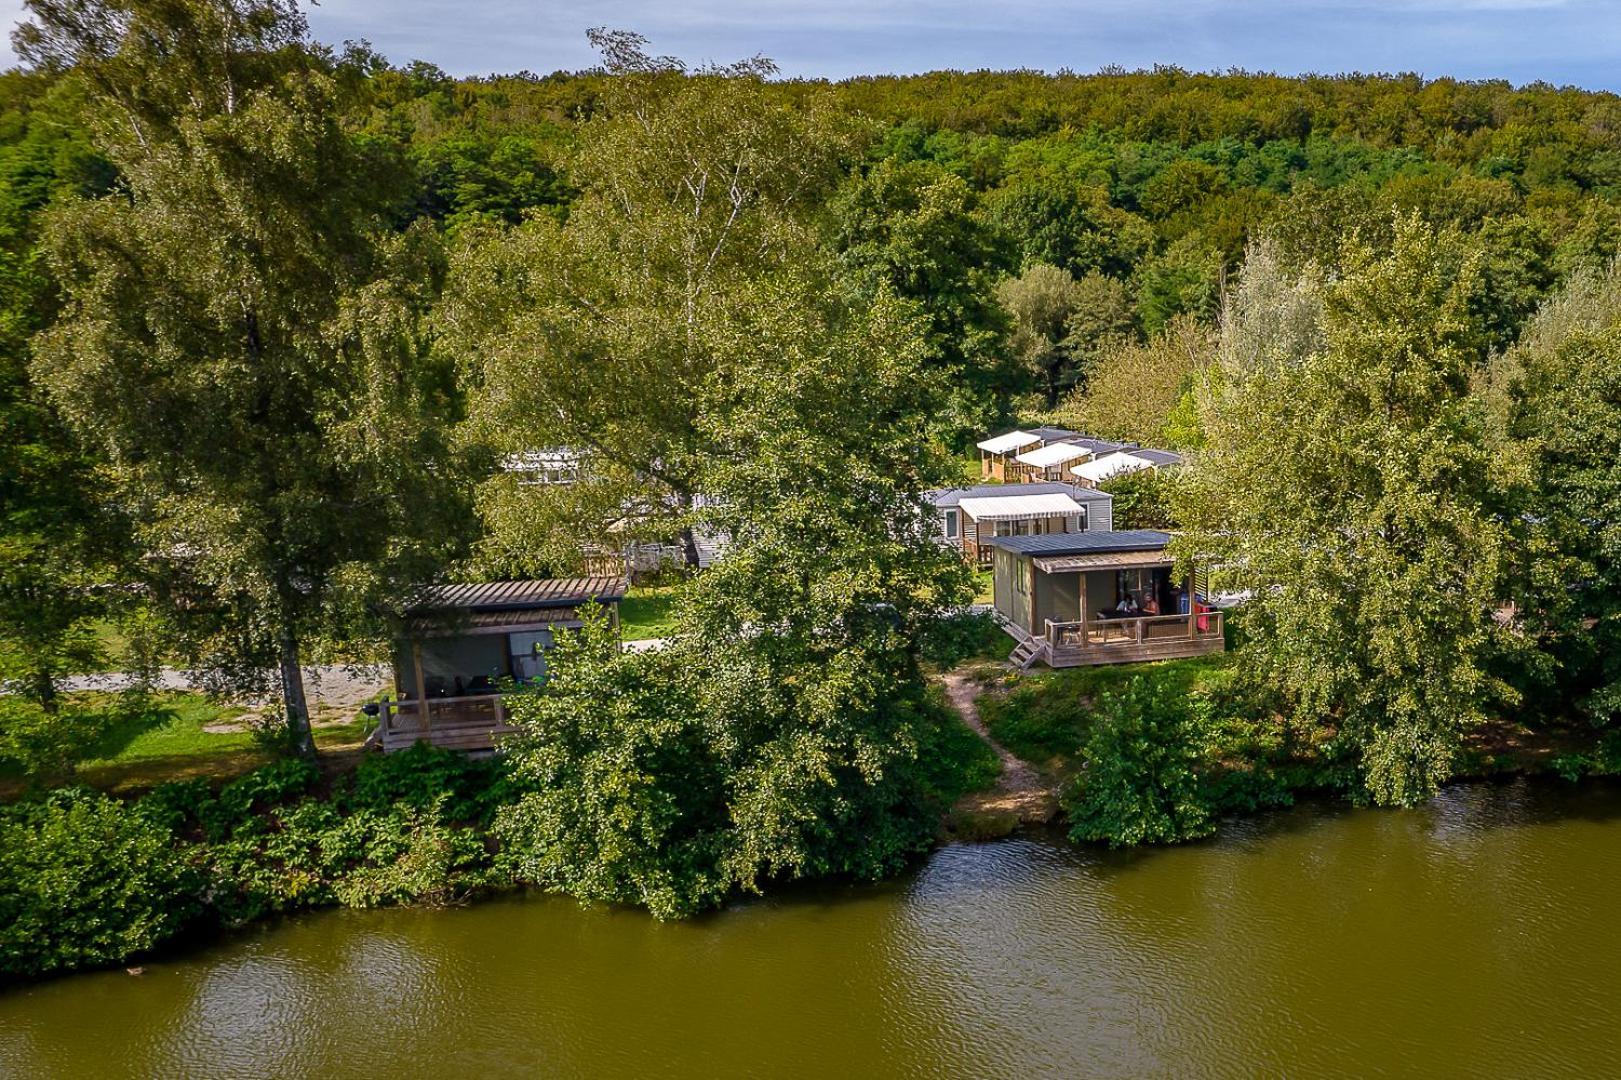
(1477, 936)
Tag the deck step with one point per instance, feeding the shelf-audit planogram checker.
(1027, 652)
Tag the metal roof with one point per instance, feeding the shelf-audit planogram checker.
(1053, 454)
(1158, 457)
(1053, 504)
(1013, 440)
(1053, 434)
(515, 595)
(1083, 543)
(949, 497)
(1103, 560)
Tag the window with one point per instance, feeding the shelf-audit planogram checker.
(951, 524)
(1080, 521)
(1021, 577)
(528, 652)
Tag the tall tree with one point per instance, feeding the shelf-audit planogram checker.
(783, 732)
(239, 335)
(914, 227)
(1559, 393)
(58, 533)
(1351, 488)
(1042, 300)
(597, 333)
(1134, 390)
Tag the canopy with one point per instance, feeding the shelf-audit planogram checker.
(1004, 444)
(1104, 560)
(1099, 469)
(1053, 454)
(1017, 507)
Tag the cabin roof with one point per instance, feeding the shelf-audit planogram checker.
(1013, 440)
(949, 497)
(1054, 454)
(1158, 457)
(1052, 434)
(519, 595)
(1083, 543)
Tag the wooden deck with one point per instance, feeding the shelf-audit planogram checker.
(458, 723)
(1124, 641)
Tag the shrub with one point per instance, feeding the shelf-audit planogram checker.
(462, 789)
(966, 635)
(1141, 782)
(87, 880)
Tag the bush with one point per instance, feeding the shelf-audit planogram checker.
(1141, 782)
(457, 787)
(86, 880)
(967, 635)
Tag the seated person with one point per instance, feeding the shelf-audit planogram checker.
(1128, 606)
(1150, 605)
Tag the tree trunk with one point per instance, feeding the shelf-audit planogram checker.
(689, 547)
(292, 694)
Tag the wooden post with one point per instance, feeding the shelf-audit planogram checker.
(421, 684)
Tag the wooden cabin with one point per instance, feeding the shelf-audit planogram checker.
(971, 517)
(1099, 598)
(459, 646)
(996, 454)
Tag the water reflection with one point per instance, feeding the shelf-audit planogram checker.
(1472, 937)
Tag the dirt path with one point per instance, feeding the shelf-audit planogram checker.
(1021, 790)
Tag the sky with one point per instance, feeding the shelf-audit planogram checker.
(1558, 41)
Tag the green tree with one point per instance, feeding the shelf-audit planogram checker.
(1134, 390)
(1140, 783)
(913, 227)
(598, 333)
(239, 337)
(1559, 393)
(1071, 226)
(1352, 490)
(779, 733)
(1042, 300)
(808, 634)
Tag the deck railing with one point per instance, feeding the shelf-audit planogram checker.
(473, 722)
(1139, 636)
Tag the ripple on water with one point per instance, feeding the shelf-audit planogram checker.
(1473, 936)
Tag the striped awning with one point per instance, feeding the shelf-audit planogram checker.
(1054, 504)
(1103, 560)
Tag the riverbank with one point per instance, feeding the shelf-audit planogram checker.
(1316, 941)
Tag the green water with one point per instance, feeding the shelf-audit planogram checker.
(1475, 937)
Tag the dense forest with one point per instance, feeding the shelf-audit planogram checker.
(279, 319)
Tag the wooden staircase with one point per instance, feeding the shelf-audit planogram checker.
(1027, 652)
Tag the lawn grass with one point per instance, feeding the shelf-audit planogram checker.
(169, 741)
(647, 612)
(984, 586)
(1044, 717)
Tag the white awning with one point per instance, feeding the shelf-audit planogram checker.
(1053, 454)
(1015, 507)
(1100, 469)
(1005, 444)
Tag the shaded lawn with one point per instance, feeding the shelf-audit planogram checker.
(985, 589)
(168, 741)
(1045, 716)
(648, 612)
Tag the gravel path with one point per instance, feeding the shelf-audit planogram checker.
(329, 687)
(1021, 789)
